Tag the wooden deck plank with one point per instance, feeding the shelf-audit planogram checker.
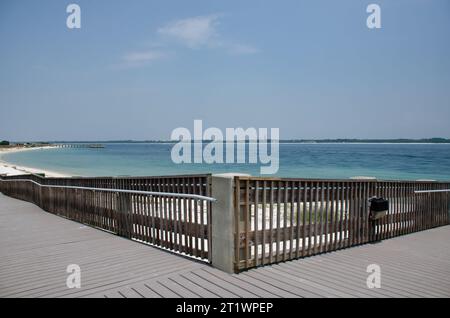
(113, 283)
(334, 282)
(114, 294)
(298, 291)
(407, 283)
(103, 273)
(162, 290)
(36, 247)
(142, 290)
(234, 279)
(298, 281)
(356, 284)
(129, 293)
(279, 291)
(237, 290)
(177, 288)
(201, 292)
(212, 287)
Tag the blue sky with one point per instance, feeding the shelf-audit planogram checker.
(139, 69)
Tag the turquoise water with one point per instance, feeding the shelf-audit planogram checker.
(384, 161)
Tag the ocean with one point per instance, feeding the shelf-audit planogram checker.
(383, 161)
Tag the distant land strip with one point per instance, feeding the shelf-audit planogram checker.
(375, 141)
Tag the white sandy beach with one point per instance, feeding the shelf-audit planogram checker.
(11, 169)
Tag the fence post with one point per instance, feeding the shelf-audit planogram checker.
(223, 221)
(447, 196)
(125, 227)
(40, 197)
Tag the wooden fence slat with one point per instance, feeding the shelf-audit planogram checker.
(291, 220)
(299, 221)
(264, 221)
(256, 217)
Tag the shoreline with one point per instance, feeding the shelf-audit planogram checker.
(10, 169)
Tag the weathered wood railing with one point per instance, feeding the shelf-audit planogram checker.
(284, 219)
(169, 212)
(256, 221)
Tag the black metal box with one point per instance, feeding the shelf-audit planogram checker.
(378, 208)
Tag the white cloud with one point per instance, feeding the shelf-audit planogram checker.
(242, 49)
(142, 57)
(192, 32)
(202, 31)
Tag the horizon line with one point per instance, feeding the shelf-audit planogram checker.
(290, 140)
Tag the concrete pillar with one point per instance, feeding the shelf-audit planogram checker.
(223, 221)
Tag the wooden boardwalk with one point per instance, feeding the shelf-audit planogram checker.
(36, 247)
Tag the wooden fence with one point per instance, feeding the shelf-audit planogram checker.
(284, 219)
(274, 219)
(124, 206)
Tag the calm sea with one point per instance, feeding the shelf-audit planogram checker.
(384, 161)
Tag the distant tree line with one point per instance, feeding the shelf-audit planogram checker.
(4, 143)
(398, 140)
(342, 140)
